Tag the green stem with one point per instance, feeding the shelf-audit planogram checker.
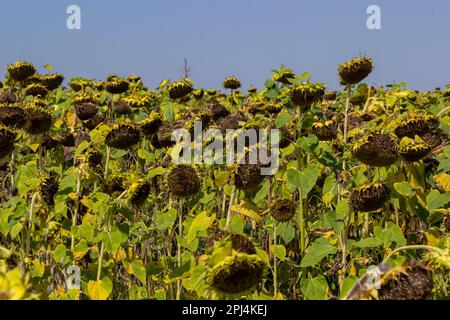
(418, 246)
(275, 271)
(301, 221)
(108, 155)
(347, 109)
(229, 213)
(30, 223)
(75, 209)
(179, 249)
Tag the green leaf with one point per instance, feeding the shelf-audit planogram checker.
(262, 193)
(15, 230)
(314, 288)
(112, 240)
(305, 179)
(368, 243)
(403, 188)
(60, 254)
(342, 209)
(80, 249)
(200, 223)
(437, 200)
(308, 143)
(282, 118)
(278, 251)
(391, 234)
(165, 219)
(347, 285)
(286, 231)
(317, 251)
(138, 269)
(155, 172)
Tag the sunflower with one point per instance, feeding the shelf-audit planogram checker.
(283, 76)
(211, 92)
(48, 189)
(38, 120)
(369, 197)
(164, 134)
(93, 122)
(180, 89)
(325, 130)
(99, 85)
(242, 244)
(7, 139)
(238, 274)
(122, 107)
(151, 124)
(183, 181)
(248, 176)
(49, 143)
(79, 84)
(198, 94)
(117, 86)
(52, 81)
(8, 98)
(82, 97)
(283, 210)
(137, 101)
(218, 110)
(274, 107)
(138, 192)
(412, 151)
(133, 79)
(376, 149)
(305, 94)
(355, 70)
(114, 183)
(123, 136)
(21, 70)
(12, 115)
(34, 79)
(36, 90)
(86, 110)
(231, 83)
(67, 139)
(93, 158)
(330, 95)
(417, 125)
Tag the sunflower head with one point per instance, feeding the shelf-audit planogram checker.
(369, 197)
(117, 86)
(137, 101)
(114, 183)
(252, 90)
(38, 119)
(330, 95)
(355, 70)
(304, 94)
(283, 76)
(48, 189)
(183, 181)
(218, 110)
(34, 79)
(99, 85)
(52, 81)
(412, 151)
(211, 92)
(8, 97)
(93, 159)
(231, 83)
(179, 89)
(376, 149)
(283, 210)
(138, 192)
(7, 139)
(21, 70)
(151, 124)
(236, 275)
(122, 107)
(274, 107)
(198, 94)
(242, 244)
(79, 84)
(86, 111)
(93, 122)
(123, 136)
(36, 90)
(248, 175)
(416, 125)
(67, 139)
(325, 130)
(12, 115)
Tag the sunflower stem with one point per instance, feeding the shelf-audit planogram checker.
(275, 270)
(347, 109)
(301, 221)
(179, 249)
(75, 209)
(30, 223)
(413, 247)
(229, 213)
(108, 155)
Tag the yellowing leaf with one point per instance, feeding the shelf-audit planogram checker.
(100, 290)
(443, 181)
(245, 211)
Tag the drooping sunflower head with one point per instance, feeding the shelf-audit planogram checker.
(36, 90)
(67, 139)
(7, 139)
(114, 183)
(48, 189)
(151, 124)
(79, 84)
(325, 130)
(179, 89)
(38, 119)
(82, 97)
(52, 81)
(86, 111)
(242, 244)
(304, 94)
(252, 90)
(122, 107)
(236, 275)
(211, 92)
(412, 151)
(93, 122)
(248, 175)
(218, 110)
(21, 70)
(12, 115)
(198, 94)
(138, 192)
(274, 107)
(355, 70)
(123, 136)
(183, 181)
(283, 210)
(416, 125)
(283, 76)
(376, 149)
(231, 83)
(137, 100)
(34, 79)
(99, 85)
(8, 97)
(369, 197)
(330, 95)
(93, 159)
(117, 86)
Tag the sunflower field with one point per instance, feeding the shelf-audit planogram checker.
(93, 207)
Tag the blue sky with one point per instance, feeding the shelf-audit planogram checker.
(244, 38)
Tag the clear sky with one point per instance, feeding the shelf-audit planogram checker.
(244, 38)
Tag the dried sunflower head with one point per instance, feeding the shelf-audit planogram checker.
(79, 84)
(38, 120)
(283, 210)
(218, 110)
(325, 130)
(355, 70)
(12, 115)
(82, 97)
(330, 95)
(416, 125)
(151, 124)
(21, 70)
(48, 189)
(179, 89)
(52, 81)
(123, 136)
(8, 97)
(369, 197)
(67, 139)
(413, 151)
(237, 275)
(93, 122)
(7, 139)
(93, 158)
(248, 176)
(231, 83)
(114, 183)
(304, 94)
(85, 111)
(252, 90)
(283, 76)
(36, 90)
(138, 192)
(122, 107)
(137, 101)
(242, 244)
(183, 181)
(376, 149)
(117, 86)
(198, 94)
(34, 79)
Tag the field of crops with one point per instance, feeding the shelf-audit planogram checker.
(93, 204)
